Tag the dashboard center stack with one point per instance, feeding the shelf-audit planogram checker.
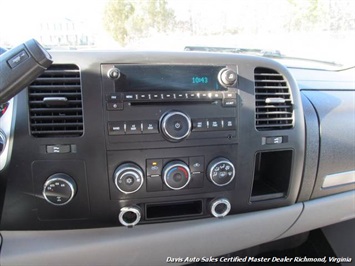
(181, 145)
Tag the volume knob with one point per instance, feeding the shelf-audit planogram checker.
(175, 126)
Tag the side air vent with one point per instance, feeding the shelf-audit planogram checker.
(55, 103)
(273, 102)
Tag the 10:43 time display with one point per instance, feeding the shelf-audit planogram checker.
(198, 80)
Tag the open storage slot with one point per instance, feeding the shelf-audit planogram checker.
(271, 175)
(173, 209)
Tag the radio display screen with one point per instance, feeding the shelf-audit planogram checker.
(169, 77)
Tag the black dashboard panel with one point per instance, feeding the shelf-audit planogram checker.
(225, 135)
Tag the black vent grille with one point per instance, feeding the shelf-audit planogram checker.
(273, 102)
(55, 103)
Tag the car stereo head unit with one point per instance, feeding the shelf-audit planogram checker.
(171, 105)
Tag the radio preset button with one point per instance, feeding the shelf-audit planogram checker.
(155, 96)
(229, 95)
(168, 96)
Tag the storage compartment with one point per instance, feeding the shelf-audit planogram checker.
(173, 209)
(271, 175)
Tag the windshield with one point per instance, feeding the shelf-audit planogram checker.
(309, 29)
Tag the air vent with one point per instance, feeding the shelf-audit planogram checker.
(55, 103)
(273, 102)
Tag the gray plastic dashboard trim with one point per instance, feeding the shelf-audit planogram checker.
(323, 212)
(146, 244)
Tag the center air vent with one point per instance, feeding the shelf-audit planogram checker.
(55, 103)
(273, 102)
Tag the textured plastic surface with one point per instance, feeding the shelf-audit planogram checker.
(335, 110)
(146, 244)
(322, 212)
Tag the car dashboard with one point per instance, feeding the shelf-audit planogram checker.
(152, 157)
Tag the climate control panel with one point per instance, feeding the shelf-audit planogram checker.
(173, 174)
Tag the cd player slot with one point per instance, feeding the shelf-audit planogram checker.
(174, 209)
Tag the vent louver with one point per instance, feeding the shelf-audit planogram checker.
(55, 103)
(273, 102)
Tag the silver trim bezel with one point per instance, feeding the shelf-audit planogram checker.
(137, 172)
(166, 133)
(216, 203)
(214, 165)
(175, 164)
(50, 180)
(124, 210)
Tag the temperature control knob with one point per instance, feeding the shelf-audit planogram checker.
(221, 171)
(176, 175)
(175, 126)
(59, 189)
(128, 178)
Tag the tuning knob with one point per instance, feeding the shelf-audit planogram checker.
(175, 126)
(227, 77)
(176, 175)
(59, 189)
(128, 178)
(221, 171)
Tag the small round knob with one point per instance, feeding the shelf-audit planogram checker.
(128, 178)
(227, 77)
(221, 171)
(175, 126)
(176, 175)
(2, 141)
(59, 189)
(114, 73)
(129, 216)
(220, 207)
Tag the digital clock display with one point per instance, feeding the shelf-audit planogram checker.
(169, 77)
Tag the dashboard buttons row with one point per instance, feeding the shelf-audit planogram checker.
(132, 127)
(213, 124)
(115, 101)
